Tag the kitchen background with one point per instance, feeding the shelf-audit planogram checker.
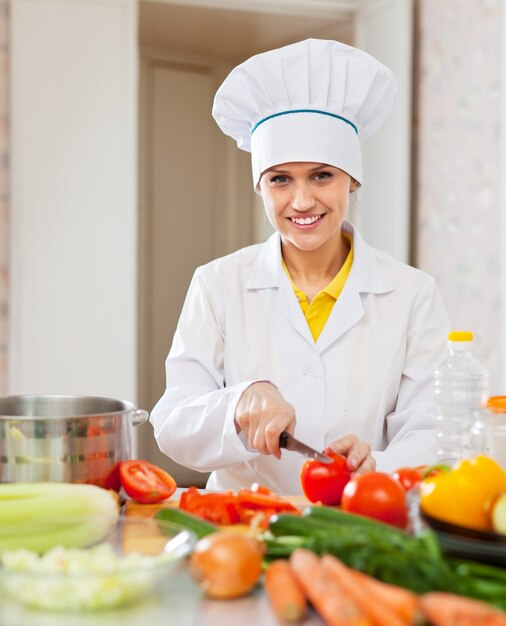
(115, 182)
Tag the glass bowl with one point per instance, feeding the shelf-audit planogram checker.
(133, 561)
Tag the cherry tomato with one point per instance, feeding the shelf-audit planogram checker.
(325, 482)
(146, 482)
(258, 488)
(408, 477)
(377, 495)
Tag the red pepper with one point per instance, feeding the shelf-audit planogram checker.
(227, 508)
(215, 507)
(257, 500)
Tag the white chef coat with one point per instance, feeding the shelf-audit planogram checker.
(369, 373)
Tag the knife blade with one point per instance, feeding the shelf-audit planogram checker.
(289, 442)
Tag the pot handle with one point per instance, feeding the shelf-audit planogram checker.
(139, 416)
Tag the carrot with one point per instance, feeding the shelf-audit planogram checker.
(379, 612)
(284, 592)
(448, 609)
(327, 597)
(404, 602)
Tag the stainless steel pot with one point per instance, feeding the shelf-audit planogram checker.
(65, 438)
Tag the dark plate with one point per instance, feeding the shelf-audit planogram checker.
(479, 545)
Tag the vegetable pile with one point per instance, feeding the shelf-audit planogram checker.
(384, 552)
(353, 565)
(374, 494)
(352, 570)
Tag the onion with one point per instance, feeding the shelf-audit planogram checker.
(226, 564)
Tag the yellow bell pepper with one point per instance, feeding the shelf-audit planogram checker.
(463, 495)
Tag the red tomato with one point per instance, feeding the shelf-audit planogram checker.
(325, 482)
(146, 482)
(377, 495)
(113, 479)
(408, 477)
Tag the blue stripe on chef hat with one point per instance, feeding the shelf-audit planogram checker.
(339, 93)
(339, 117)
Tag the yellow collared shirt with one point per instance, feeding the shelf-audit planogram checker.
(317, 312)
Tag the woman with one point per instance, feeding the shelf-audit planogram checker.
(313, 332)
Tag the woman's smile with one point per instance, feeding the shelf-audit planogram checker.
(306, 222)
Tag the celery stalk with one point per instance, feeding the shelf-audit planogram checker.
(39, 516)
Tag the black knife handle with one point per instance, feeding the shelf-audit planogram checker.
(283, 439)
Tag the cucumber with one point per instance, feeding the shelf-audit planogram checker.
(197, 525)
(337, 516)
(287, 524)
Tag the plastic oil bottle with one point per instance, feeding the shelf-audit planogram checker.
(461, 391)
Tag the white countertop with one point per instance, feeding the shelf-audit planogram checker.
(180, 604)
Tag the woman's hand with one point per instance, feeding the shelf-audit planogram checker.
(262, 414)
(358, 453)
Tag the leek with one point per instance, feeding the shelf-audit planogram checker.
(40, 516)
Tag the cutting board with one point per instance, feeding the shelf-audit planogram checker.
(149, 542)
(145, 538)
(148, 510)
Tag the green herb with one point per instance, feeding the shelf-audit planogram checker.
(385, 552)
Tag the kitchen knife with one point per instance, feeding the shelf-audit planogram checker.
(288, 441)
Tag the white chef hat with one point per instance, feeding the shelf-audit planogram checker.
(309, 101)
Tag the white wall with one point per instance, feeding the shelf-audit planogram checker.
(384, 28)
(74, 201)
(461, 217)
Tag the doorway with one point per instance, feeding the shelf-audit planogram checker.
(196, 197)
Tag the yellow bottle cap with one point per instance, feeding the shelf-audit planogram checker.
(460, 335)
